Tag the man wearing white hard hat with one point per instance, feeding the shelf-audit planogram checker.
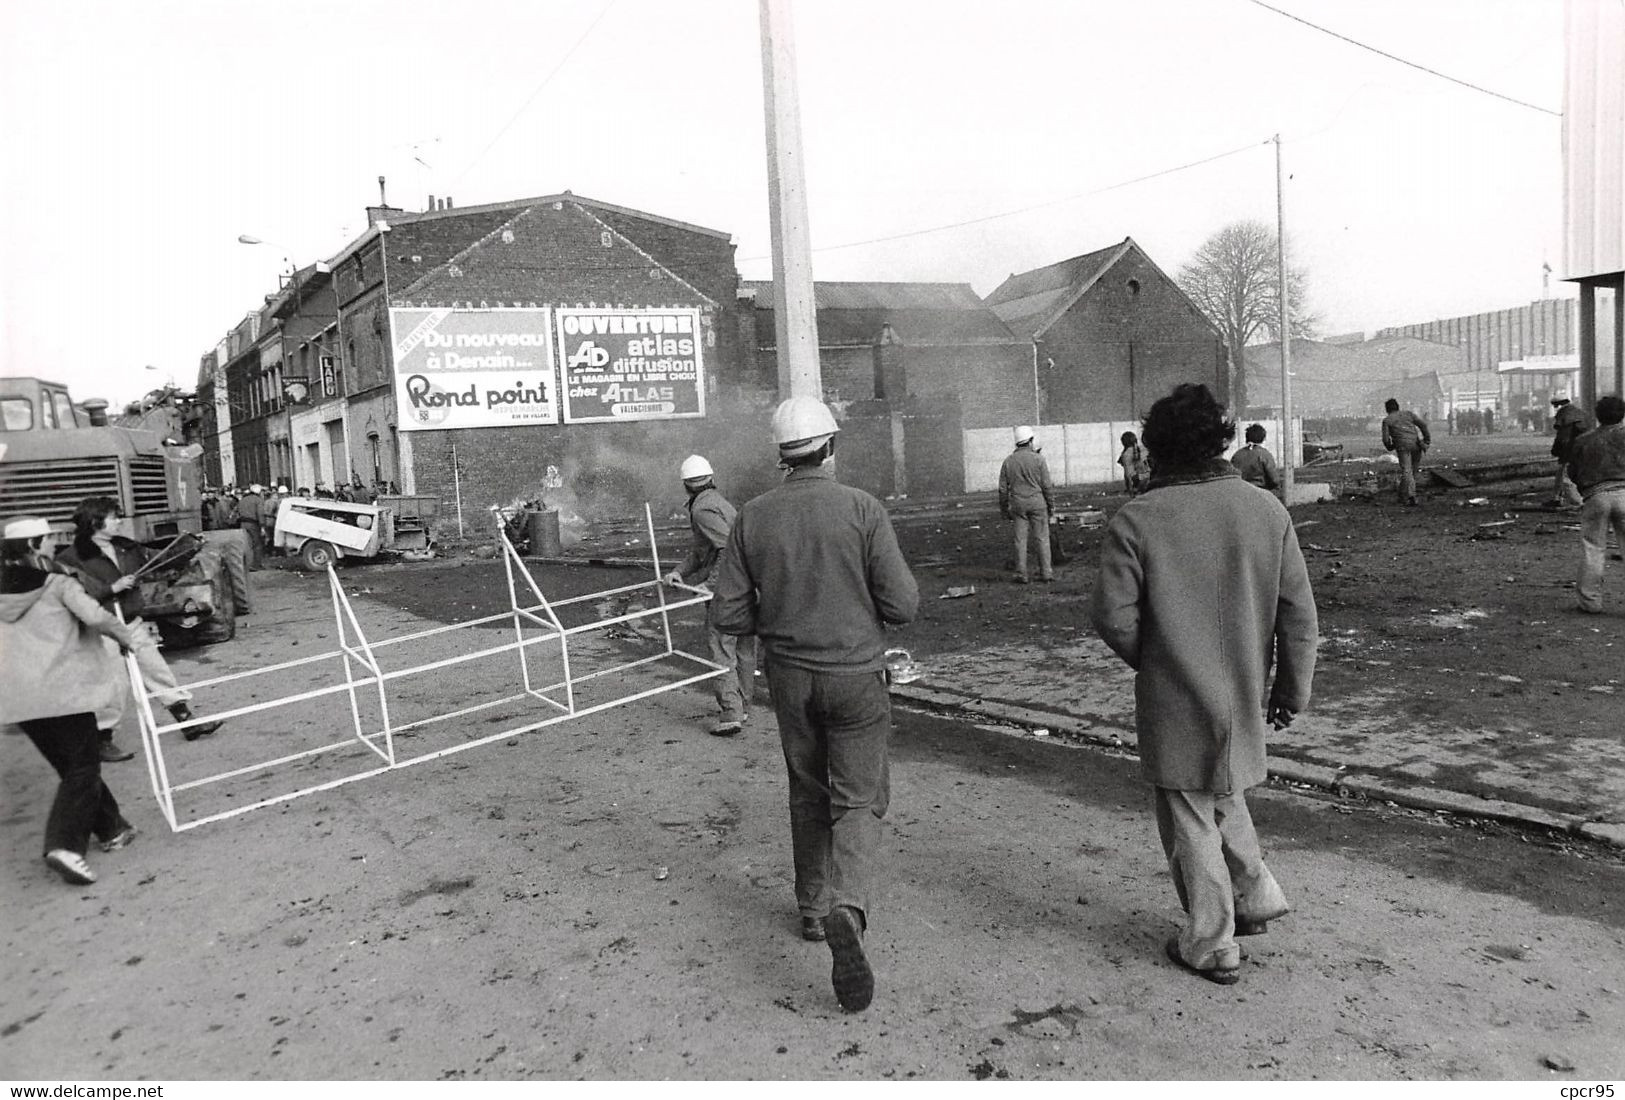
(710, 518)
(1025, 498)
(813, 569)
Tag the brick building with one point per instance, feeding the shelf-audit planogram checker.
(554, 252)
(908, 367)
(1111, 334)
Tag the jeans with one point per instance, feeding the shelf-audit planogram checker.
(1409, 460)
(835, 730)
(1218, 871)
(739, 654)
(1563, 490)
(83, 804)
(1602, 511)
(256, 543)
(1032, 522)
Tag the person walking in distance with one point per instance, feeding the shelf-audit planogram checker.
(1569, 422)
(1201, 588)
(1255, 464)
(1406, 434)
(1026, 499)
(55, 674)
(813, 569)
(710, 518)
(1597, 464)
(251, 518)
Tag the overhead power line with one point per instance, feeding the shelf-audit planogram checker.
(1031, 208)
(525, 106)
(1402, 61)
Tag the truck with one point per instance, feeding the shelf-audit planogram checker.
(54, 454)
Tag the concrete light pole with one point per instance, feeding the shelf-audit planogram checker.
(1289, 448)
(795, 316)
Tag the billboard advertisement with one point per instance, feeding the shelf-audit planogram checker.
(473, 368)
(631, 364)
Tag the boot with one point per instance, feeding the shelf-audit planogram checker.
(183, 713)
(110, 751)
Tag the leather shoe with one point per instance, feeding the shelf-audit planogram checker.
(1226, 976)
(111, 753)
(1245, 927)
(850, 973)
(183, 713)
(812, 929)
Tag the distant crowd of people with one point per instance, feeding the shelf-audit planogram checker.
(253, 510)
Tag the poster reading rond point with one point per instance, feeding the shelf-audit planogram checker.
(631, 364)
(473, 368)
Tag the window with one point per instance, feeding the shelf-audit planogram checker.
(47, 414)
(64, 410)
(16, 414)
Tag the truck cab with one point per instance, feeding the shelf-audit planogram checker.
(54, 454)
(35, 405)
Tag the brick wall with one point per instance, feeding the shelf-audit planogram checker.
(1127, 342)
(608, 470)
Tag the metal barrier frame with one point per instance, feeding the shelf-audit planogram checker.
(359, 654)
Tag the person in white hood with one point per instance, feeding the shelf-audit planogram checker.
(54, 675)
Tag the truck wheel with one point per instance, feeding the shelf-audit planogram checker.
(318, 555)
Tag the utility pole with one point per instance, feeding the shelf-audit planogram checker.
(795, 315)
(1289, 459)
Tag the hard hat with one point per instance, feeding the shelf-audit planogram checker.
(27, 527)
(694, 466)
(1559, 397)
(801, 425)
(281, 488)
(256, 488)
(1024, 434)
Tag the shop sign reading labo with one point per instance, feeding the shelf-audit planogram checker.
(631, 364)
(473, 368)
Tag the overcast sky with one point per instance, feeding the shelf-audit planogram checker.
(143, 137)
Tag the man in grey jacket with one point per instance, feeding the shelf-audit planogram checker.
(1597, 464)
(1406, 434)
(813, 569)
(1025, 497)
(1202, 586)
(710, 518)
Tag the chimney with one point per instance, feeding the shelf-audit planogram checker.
(431, 207)
(448, 202)
(382, 201)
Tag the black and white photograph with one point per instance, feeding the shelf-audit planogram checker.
(604, 542)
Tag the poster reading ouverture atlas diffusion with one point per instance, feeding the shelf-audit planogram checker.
(473, 368)
(631, 364)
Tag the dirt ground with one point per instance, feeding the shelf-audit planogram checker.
(609, 898)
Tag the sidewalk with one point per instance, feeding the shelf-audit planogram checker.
(1364, 742)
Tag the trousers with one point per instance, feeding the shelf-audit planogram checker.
(1032, 523)
(1409, 460)
(159, 677)
(1564, 490)
(1218, 871)
(256, 542)
(835, 729)
(733, 692)
(83, 805)
(1602, 511)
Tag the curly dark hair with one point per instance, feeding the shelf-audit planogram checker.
(87, 520)
(1256, 433)
(1186, 429)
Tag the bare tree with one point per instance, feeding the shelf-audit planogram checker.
(1233, 280)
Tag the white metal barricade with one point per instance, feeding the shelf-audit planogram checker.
(365, 672)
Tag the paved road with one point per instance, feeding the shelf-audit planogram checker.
(609, 898)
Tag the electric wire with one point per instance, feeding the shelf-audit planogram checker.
(1403, 61)
(525, 106)
(1028, 209)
